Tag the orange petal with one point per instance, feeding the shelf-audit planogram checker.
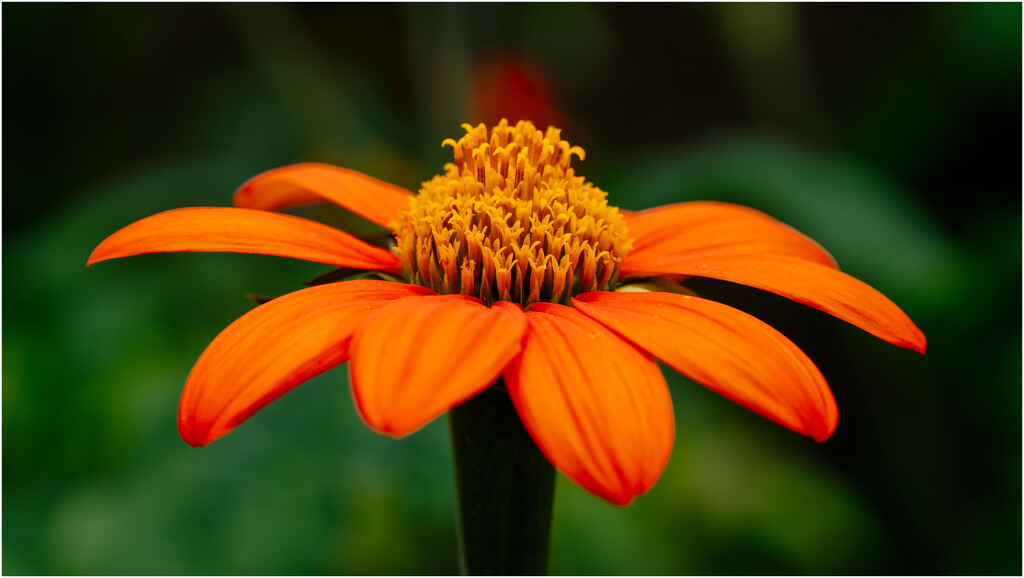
(308, 183)
(820, 287)
(230, 230)
(597, 407)
(273, 348)
(418, 358)
(706, 227)
(727, 350)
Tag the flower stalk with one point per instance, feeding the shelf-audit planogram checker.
(504, 489)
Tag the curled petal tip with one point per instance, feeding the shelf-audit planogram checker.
(193, 436)
(821, 438)
(825, 433)
(917, 343)
(196, 443)
(823, 429)
(100, 253)
(387, 427)
(622, 501)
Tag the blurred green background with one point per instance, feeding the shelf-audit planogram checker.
(889, 133)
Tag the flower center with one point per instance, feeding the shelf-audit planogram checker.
(510, 221)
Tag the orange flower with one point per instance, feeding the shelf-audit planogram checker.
(515, 268)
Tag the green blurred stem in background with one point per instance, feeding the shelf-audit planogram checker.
(505, 488)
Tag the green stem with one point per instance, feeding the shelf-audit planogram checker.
(504, 486)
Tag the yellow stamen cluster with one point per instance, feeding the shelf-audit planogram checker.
(510, 221)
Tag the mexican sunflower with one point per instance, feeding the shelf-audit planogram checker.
(514, 267)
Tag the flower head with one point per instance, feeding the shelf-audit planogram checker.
(510, 221)
(511, 264)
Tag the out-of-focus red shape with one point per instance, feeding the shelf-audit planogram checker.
(513, 89)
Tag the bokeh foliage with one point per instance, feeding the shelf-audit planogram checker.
(891, 134)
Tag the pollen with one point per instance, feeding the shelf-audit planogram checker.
(509, 220)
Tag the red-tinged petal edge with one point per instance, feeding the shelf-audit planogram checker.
(230, 230)
(307, 183)
(417, 358)
(706, 226)
(275, 347)
(805, 282)
(597, 407)
(727, 350)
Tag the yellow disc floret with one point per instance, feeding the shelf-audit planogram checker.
(510, 221)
